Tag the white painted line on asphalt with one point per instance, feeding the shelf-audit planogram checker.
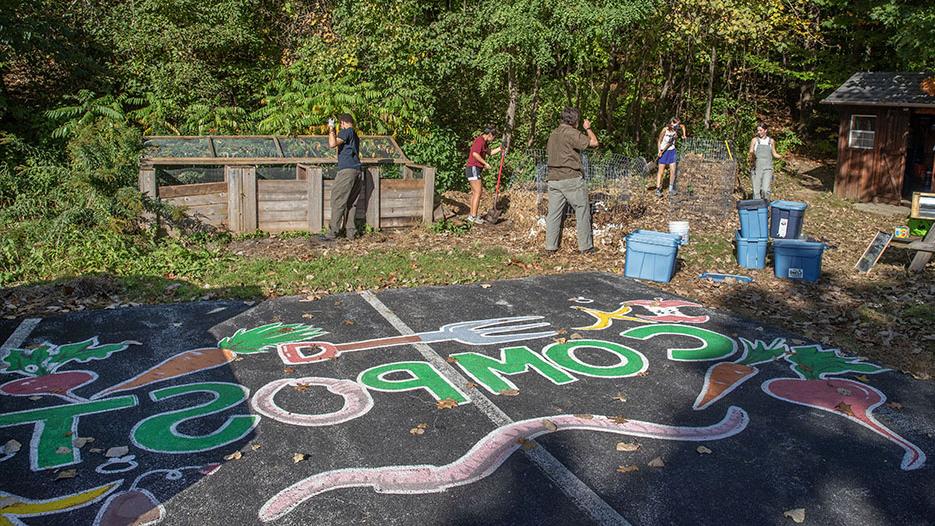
(583, 496)
(20, 334)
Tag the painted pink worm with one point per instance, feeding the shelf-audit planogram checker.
(485, 457)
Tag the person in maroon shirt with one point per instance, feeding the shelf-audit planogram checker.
(476, 163)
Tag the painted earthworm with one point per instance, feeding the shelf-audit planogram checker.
(485, 457)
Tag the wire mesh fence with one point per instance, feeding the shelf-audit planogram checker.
(609, 173)
(706, 178)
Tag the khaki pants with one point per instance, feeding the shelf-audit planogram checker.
(575, 193)
(344, 195)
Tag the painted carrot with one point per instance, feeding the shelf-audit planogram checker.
(848, 398)
(723, 377)
(251, 341)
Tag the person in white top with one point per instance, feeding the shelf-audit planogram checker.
(667, 155)
(762, 151)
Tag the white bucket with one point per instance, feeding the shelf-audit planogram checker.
(680, 228)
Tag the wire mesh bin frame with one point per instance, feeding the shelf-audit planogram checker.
(716, 159)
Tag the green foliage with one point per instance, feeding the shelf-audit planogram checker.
(438, 147)
(444, 226)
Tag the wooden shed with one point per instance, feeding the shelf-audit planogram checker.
(279, 184)
(887, 136)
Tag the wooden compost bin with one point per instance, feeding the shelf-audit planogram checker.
(242, 202)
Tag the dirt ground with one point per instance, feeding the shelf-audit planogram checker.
(887, 315)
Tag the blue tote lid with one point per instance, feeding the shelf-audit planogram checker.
(789, 205)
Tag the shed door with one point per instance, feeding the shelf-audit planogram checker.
(887, 181)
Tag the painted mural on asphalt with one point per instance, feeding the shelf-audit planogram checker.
(56, 385)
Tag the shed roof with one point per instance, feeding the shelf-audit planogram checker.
(883, 89)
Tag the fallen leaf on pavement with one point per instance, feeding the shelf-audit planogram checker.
(95, 450)
(527, 444)
(550, 425)
(797, 515)
(233, 456)
(585, 416)
(485, 285)
(255, 446)
(117, 452)
(864, 378)
(348, 322)
(509, 392)
(620, 397)
(894, 405)
(298, 457)
(627, 446)
(12, 446)
(288, 370)
(629, 468)
(80, 442)
(470, 385)
(576, 336)
(302, 387)
(844, 408)
(657, 463)
(447, 403)
(63, 450)
(642, 374)
(618, 420)
(66, 474)
(703, 450)
(451, 359)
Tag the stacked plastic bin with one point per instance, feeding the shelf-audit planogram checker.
(651, 255)
(753, 237)
(780, 221)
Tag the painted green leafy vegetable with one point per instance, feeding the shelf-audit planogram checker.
(48, 357)
(811, 362)
(259, 339)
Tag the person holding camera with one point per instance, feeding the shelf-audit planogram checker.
(347, 182)
(565, 180)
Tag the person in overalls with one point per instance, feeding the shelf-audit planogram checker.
(667, 155)
(762, 151)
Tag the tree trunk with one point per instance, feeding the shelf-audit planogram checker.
(534, 108)
(710, 95)
(805, 104)
(513, 92)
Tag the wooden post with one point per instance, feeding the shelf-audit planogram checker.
(316, 199)
(301, 173)
(407, 172)
(234, 198)
(148, 181)
(372, 191)
(248, 195)
(428, 196)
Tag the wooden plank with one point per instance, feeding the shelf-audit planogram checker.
(147, 182)
(249, 209)
(285, 226)
(922, 258)
(198, 200)
(292, 196)
(415, 193)
(266, 216)
(278, 206)
(234, 198)
(266, 186)
(402, 201)
(192, 189)
(252, 161)
(315, 200)
(301, 172)
(372, 195)
(428, 197)
(406, 172)
(397, 222)
(403, 212)
(388, 185)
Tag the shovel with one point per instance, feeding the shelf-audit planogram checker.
(493, 215)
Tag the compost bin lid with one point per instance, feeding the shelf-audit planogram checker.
(789, 205)
(752, 204)
(798, 243)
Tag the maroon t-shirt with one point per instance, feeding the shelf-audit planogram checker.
(479, 146)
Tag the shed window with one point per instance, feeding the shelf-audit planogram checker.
(863, 130)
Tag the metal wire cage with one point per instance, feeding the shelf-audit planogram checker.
(706, 177)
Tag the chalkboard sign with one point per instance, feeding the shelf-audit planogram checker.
(874, 251)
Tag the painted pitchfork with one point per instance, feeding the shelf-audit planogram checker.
(478, 332)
